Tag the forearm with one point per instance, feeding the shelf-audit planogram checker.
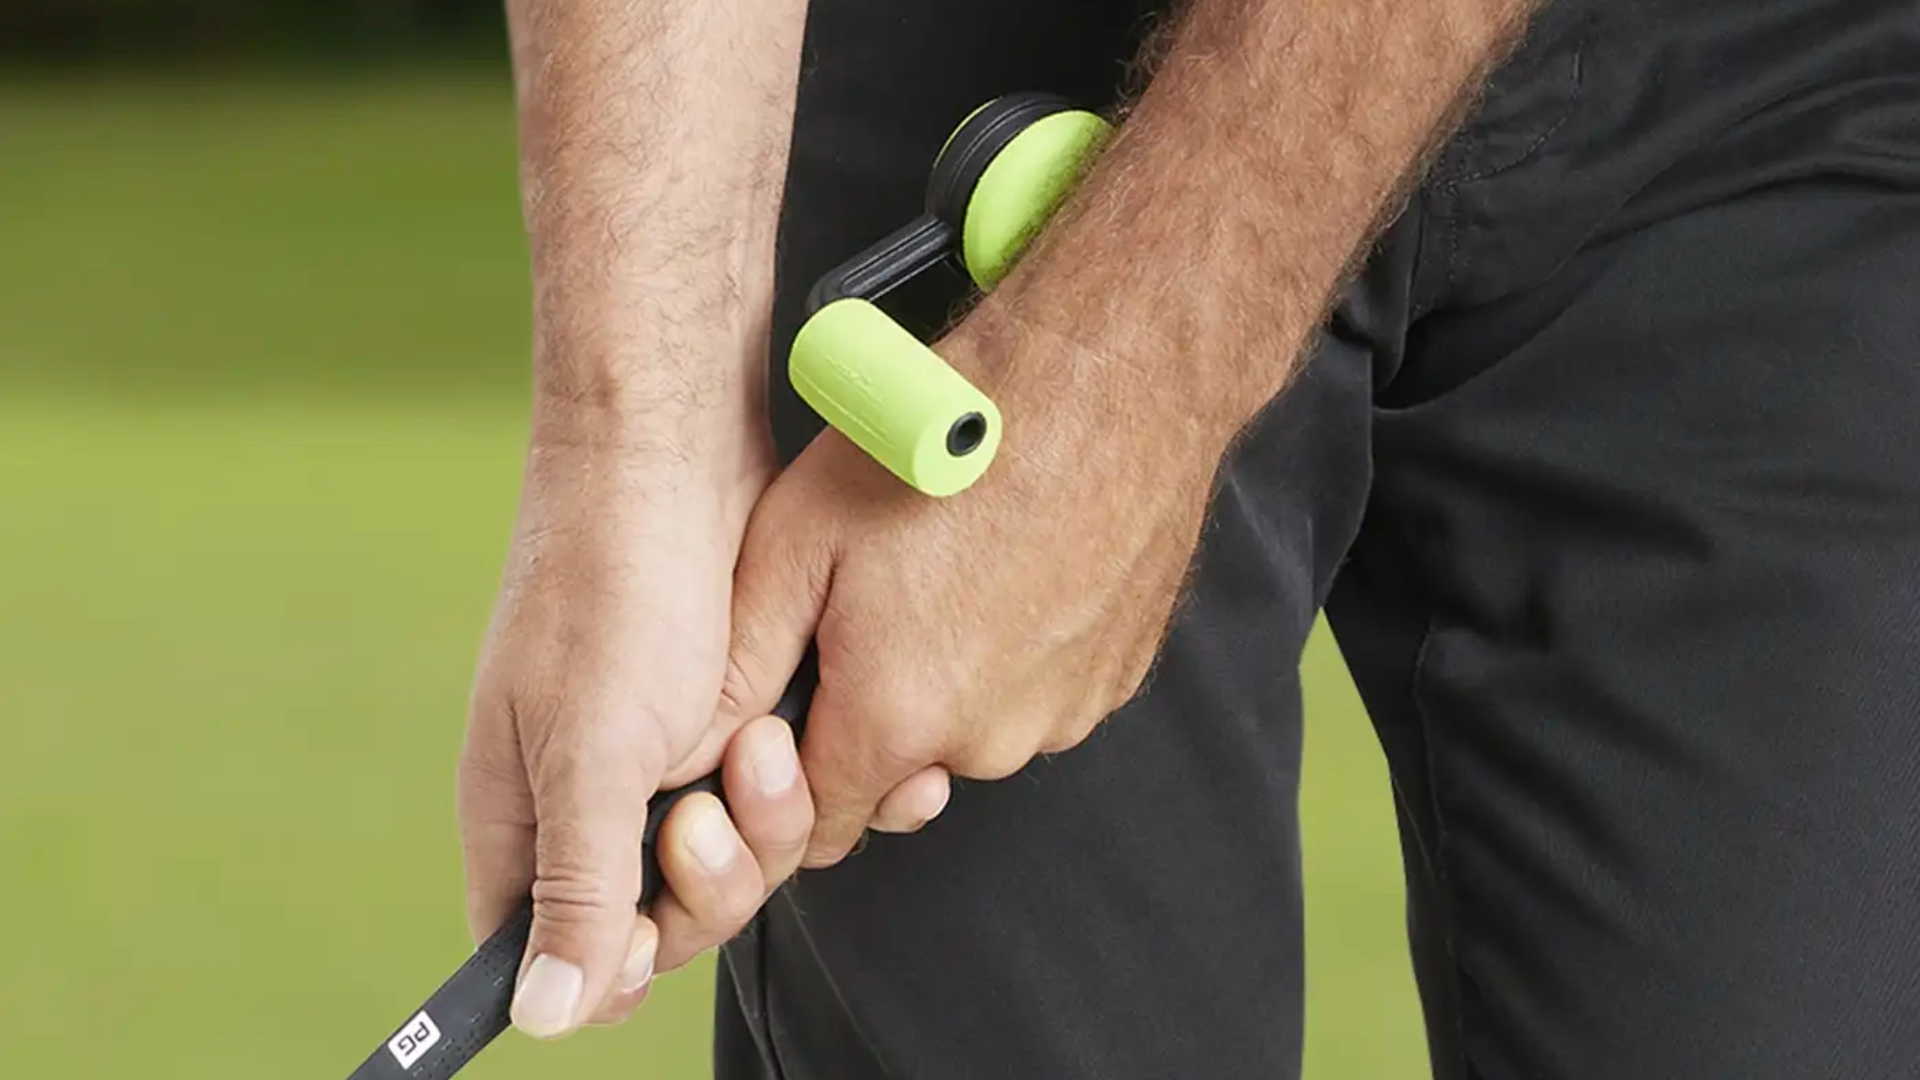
(653, 143)
(1199, 257)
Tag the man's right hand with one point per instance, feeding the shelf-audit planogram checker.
(601, 671)
(653, 143)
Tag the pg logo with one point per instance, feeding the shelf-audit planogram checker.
(416, 1038)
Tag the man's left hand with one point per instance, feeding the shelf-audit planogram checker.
(967, 635)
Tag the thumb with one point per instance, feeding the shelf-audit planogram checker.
(590, 789)
(780, 588)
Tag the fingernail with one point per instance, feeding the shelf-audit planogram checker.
(710, 843)
(548, 997)
(939, 806)
(639, 970)
(775, 766)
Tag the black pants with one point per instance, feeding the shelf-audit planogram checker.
(1608, 476)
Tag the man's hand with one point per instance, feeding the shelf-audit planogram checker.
(653, 142)
(600, 671)
(973, 633)
(1169, 301)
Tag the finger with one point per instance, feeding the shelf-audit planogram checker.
(496, 826)
(858, 746)
(780, 587)
(917, 800)
(714, 885)
(779, 590)
(636, 975)
(767, 798)
(591, 787)
(768, 803)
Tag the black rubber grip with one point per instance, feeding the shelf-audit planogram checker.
(461, 1017)
(471, 1008)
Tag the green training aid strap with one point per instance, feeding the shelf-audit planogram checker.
(1021, 187)
(894, 397)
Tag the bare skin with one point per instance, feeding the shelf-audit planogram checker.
(653, 140)
(1040, 596)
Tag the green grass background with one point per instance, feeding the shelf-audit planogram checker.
(262, 366)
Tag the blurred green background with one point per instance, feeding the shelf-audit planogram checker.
(262, 374)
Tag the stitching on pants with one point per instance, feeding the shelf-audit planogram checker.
(1443, 877)
(1581, 46)
(1450, 186)
(773, 1023)
(1450, 920)
(765, 978)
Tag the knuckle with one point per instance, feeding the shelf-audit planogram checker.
(910, 726)
(994, 758)
(492, 687)
(893, 819)
(572, 873)
(721, 909)
(875, 734)
(1137, 677)
(777, 868)
(570, 900)
(832, 835)
(774, 840)
(491, 790)
(487, 765)
(599, 761)
(1074, 731)
(735, 904)
(831, 851)
(835, 831)
(906, 743)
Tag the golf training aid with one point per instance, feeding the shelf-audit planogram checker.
(994, 184)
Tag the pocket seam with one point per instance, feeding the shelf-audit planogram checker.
(1576, 91)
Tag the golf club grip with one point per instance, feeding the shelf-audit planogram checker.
(461, 1017)
(472, 1007)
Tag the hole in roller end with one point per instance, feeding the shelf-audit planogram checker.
(966, 434)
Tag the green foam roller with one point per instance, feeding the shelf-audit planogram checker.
(1021, 188)
(894, 397)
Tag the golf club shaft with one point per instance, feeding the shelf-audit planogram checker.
(471, 1008)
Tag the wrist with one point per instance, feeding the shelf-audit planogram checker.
(648, 395)
(669, 453)
(661, 365)
(1103, 380)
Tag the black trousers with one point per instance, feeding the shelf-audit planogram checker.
(1607, 474)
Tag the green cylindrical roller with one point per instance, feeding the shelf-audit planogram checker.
(894, 397)
(1021, 187)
